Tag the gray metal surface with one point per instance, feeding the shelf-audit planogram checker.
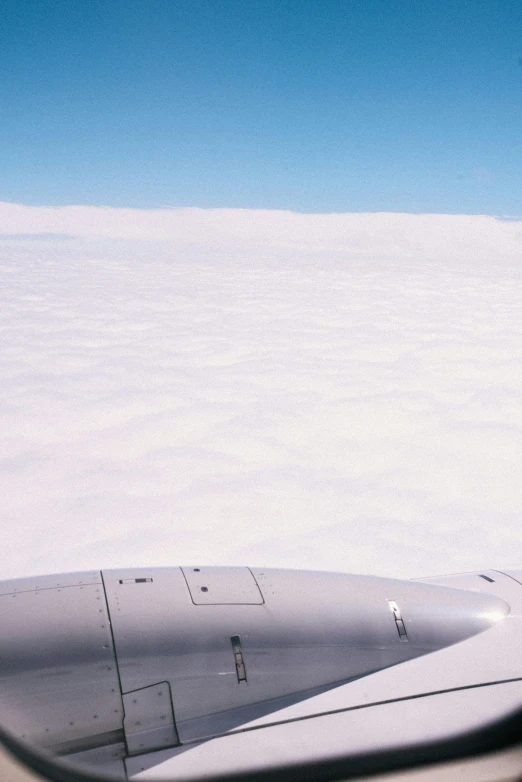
(439, 695)
(137, 662)
(149, 719)
(56, 581)
(220, 586)
(313, 631)
(58, 679)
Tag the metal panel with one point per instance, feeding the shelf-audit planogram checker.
(149, 719)
(222, 586)
(58, 581)
(58, 678)
(231, 663)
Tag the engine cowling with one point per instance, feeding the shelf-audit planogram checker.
(141, 659)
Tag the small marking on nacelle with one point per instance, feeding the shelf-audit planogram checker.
(399, 622)
(238, 658)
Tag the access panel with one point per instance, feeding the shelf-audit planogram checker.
(149, 719)
(222, 586)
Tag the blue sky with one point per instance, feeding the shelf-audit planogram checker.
(308, 105)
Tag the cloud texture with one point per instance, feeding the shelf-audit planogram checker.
(226, 386)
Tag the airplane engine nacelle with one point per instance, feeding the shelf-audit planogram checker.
(150, 658)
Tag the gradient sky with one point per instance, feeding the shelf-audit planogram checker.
(308, 105)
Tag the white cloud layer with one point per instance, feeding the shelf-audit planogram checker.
(230, 386)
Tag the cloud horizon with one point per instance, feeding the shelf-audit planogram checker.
(362, 233)
(338, 392)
